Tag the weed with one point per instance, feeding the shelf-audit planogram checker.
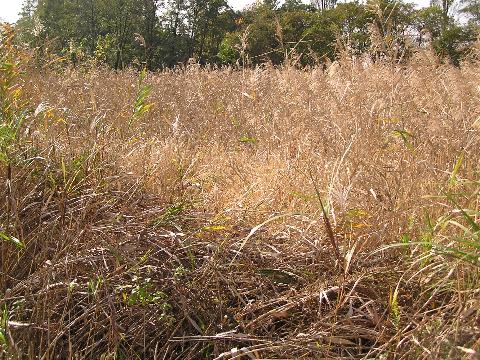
(141, 106)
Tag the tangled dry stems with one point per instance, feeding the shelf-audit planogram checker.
(194, 231)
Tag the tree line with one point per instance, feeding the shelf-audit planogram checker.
(164, 33)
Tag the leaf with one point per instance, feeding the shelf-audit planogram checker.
(405, 239)
(456, 169)
(12, 239)
(254, 230)
(6, 66)
(406, 137)
(471, 258)
(140, 106)
(215, 227)
(40, 108)
(468, 218)
(64, 172)
(248, 139)
(3, 338)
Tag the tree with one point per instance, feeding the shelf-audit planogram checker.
(454, 42)
(206, 23)
(324, 4)
(390, 29)
(445, 5)
(471, 8)
(148, 30)
(264, 35)
(448, 39)
(351, 24)
(163, 33)
(28, 24)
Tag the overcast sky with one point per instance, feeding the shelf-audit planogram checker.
(9, 9)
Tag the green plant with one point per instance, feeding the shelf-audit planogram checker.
(145, 294)
(180, 272)
(95, 284)
(12, 239)
(407, 138)
(170, 215)
(246, 139)
(395, 312)
(456, 233)
(12, 107)
(143, 91)
(3, 329)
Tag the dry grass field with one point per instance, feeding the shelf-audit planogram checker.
(241, 214)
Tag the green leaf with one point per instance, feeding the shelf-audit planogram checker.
(467, 217)
(12, 239)
(248, 139)
(405, 239)
(3, 338)
(406, 137)
(141, 107)
(456, 169)
(6, 66)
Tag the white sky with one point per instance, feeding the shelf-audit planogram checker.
(9, 9)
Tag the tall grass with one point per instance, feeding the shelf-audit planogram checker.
(192, 228)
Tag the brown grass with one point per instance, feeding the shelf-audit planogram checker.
(195, 231)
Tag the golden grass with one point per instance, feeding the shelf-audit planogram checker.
(195, 231)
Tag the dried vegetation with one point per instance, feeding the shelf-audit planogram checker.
(178, 214)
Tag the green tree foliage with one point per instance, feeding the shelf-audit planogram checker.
(447, 38)
(164, 33)
(471, 8)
